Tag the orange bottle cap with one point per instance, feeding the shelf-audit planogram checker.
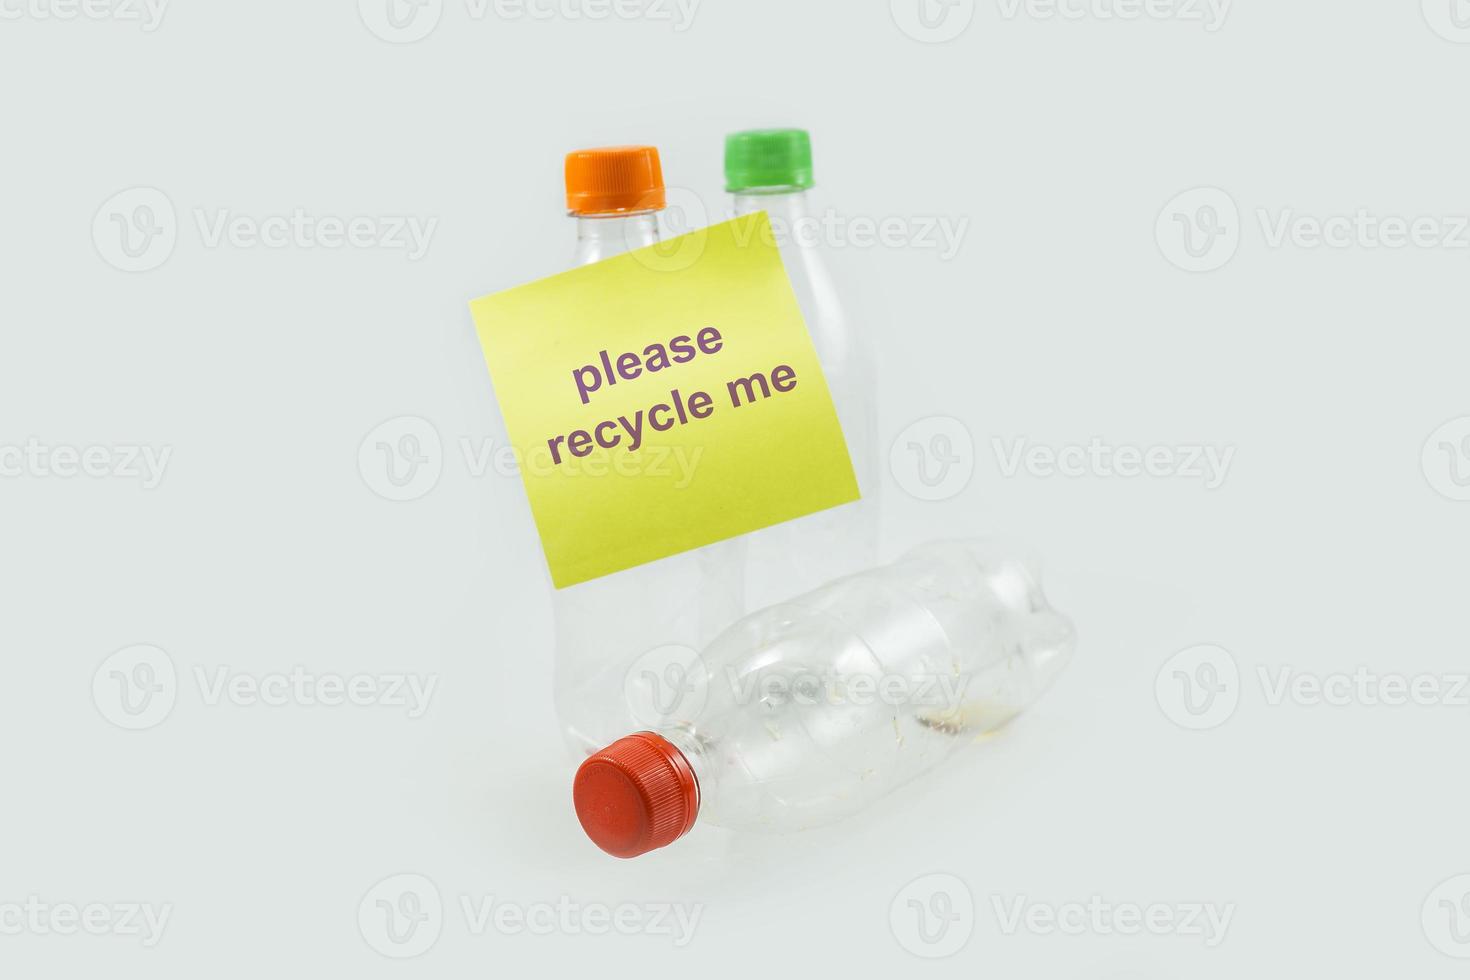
(614, 179)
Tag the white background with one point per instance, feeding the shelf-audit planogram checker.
(1335, 541)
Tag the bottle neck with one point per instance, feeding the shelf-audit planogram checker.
(783, 204)
(694, 750)
(603, 236)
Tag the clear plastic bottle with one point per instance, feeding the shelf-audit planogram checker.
(771, 170)
(684, 600)
(805, 712)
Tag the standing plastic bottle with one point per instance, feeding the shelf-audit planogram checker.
(805, 712)
(771, 170)
(684, 600)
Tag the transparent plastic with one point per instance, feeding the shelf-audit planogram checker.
(805, 712)
(791, 558)
(603, 236)
(682, 601)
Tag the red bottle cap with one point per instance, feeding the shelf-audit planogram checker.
(636, 795)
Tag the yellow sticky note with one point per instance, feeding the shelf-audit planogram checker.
(663, 399)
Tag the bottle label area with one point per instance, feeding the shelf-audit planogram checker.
(664, 399)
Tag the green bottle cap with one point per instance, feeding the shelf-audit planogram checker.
(768, 158)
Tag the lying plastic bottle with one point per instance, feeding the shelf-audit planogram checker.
(805, 712)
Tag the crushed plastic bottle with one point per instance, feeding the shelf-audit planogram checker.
(805, 712)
